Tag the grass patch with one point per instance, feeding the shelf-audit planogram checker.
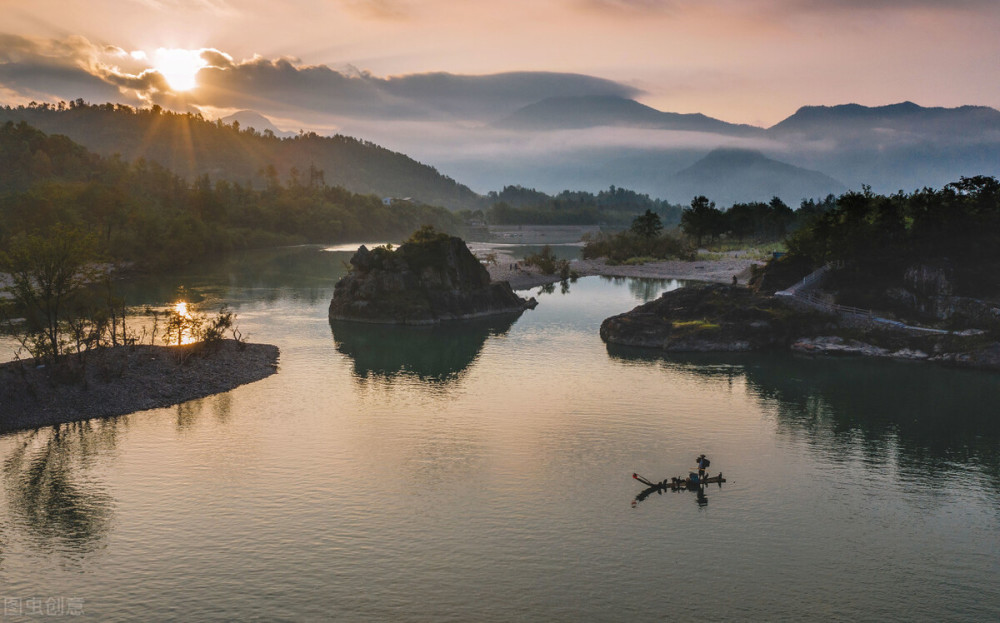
(691, 326)
(724, 250)
(639, 261)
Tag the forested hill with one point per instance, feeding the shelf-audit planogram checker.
(141, 212)
(191, 146)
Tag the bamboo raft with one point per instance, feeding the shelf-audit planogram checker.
(677, 484)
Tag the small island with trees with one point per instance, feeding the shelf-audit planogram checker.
(87, 359)
(430, 278)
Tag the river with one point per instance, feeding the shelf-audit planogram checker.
(482, 472)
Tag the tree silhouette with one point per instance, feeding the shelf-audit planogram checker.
(647, 225)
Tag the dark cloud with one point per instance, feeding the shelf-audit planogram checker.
(59, 69)
(74, 67)
(44, 81)
(283, 85)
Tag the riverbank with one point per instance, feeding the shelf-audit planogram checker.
(721, 318)
(127, 379)
(522, 277)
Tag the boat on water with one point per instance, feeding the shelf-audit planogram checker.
(691, 483)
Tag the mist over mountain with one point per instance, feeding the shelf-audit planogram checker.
(946, 124)
(573, 142)
(563, 113)
(898, 147)
(593, 142)
(736, 175)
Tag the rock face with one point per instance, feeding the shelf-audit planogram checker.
(710, 318)
(422, 282)
(929, 291)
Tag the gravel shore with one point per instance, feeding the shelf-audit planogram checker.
(717, 271)
(128, 379)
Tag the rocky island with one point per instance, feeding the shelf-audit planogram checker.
(712, 317)
(432, 277)
(723, 318)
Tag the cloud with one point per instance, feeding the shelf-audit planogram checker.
(53, 69)
(379, 9)
(217, 59)
(618, 6)
(215, 7)
(283, 86)
(48, 70)
(789, 5)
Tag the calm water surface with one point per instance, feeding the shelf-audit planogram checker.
(483, 472)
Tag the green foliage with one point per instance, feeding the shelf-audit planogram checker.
(755, 221)
(878, 237)
(207, 332)
(145, 214)
(547, 263)
(516, 205)
(647, 225)
(427, 235)
(702, 219)
(192, 146)
(426, 247)
(624, 246)
(49, 274)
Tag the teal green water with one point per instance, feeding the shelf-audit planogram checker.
(483, 472)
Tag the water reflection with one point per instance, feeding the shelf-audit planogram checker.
(301, 273)
(435, 353)
(645, 289)
(924, 420)
(49, 494)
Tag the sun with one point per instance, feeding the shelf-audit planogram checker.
(179, 67)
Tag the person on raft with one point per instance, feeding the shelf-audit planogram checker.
(703, 464)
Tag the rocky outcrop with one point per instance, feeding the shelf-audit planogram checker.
(928, 291)
(711, 318)
(726, 319)
(423, 281)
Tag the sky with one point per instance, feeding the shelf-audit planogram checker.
(313, 63)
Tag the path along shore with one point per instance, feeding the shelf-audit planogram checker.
(718, 271)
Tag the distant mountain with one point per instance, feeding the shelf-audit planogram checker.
(192, 146)
(905, 117)
(728, 176)
(567, 113)
(255, 120)
(897, 147)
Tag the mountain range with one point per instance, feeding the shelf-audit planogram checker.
(557, 143)
(818, 149)
(563, 113)
(191, 146)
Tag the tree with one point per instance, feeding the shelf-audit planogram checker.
(48, 274)
(702, 219)
(647, 225)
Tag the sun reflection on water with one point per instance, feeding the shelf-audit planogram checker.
(183, 324)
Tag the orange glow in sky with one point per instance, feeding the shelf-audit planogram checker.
(744, 61)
